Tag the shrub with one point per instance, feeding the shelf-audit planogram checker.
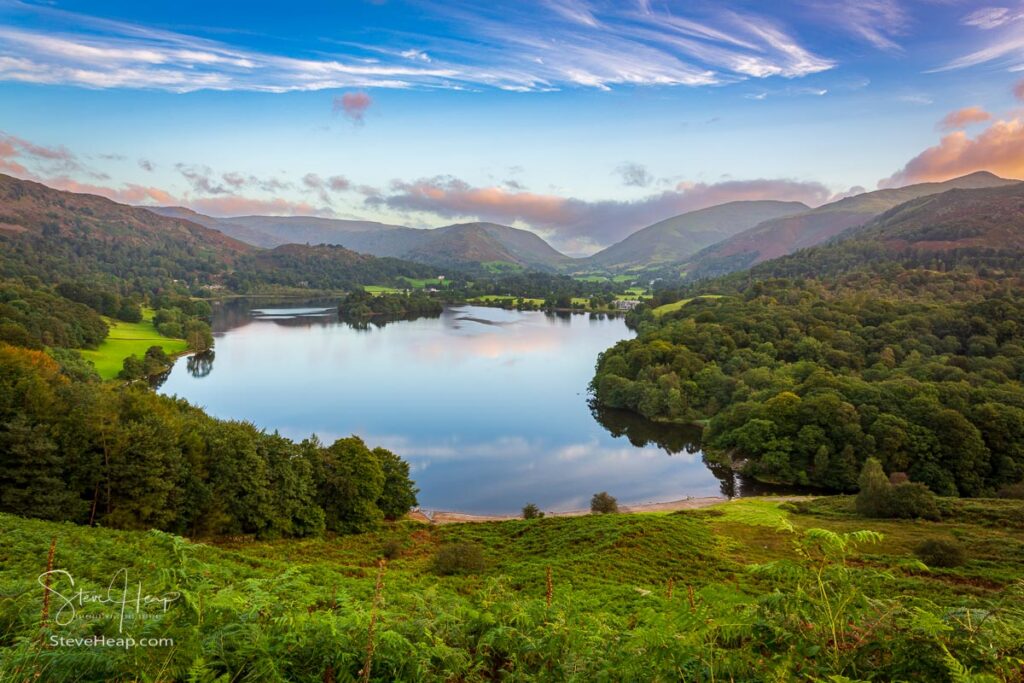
(938, 552)
(1015, 491)
(531, 511)
(911, 500)
(603, 503)
(132, 368)
(459, 558)
(391, 549)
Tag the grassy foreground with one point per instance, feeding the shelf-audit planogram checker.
(749, 590)
(126, 339)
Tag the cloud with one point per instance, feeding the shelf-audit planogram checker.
(129, 193)
(353, 105)
(24, 158)
(1003, 38)
(1018, 91)
(323, 186)
(234, 205)
(877, 22)
(540, 46)
(999, 149)
(634, 175)
(962, 118)
(147, 165)
(575, 224)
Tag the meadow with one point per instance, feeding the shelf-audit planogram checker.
(747, 590)
(126, 339)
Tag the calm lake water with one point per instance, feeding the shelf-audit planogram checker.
(488, 406)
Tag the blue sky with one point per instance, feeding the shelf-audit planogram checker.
(579, 119)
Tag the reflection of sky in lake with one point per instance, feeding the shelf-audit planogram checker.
(488, 406)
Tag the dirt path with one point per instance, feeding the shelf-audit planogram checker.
(446, 517)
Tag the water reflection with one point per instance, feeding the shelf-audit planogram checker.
(489, 406)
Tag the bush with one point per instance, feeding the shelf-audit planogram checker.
(905, 500)
(132, 368)
(1014, 491)
(910, 501)
(603, 503)
(531, 511)
(391, 549)
(938, 552)
(459, 558)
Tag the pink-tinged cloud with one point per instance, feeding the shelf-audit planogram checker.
(353, 105)
(576, 224)
(961, 118)
(998, 149)
(129, 193)
(234, 205)
(16, 152)
(1018, 90)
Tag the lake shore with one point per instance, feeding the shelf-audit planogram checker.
(448, 517)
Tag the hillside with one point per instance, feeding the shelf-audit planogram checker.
(60, 236)
(899, 341)
(744, 591)
(778, 237)
(675, 239)
(465, 244)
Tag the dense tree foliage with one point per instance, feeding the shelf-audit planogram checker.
(360, 306)
(37, 318)
(803, 380)
(128, 458)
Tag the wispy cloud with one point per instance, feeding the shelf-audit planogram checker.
(538, 46)
(878, 22)
(1003, 38)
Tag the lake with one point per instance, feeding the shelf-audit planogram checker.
(489, 407)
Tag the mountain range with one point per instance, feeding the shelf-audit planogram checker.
(781, 236)
(699, 244)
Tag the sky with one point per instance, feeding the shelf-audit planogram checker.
(582, 120)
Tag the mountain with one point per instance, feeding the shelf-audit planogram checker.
(59, 236)
(781, 236)
(32, 209)
(675, 239)
(463, 244)
(273, 231)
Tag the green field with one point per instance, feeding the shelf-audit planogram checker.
(676, 305)
(126, 339)
(741, 591)
(420, 283)
(381, 289)
(492, 298)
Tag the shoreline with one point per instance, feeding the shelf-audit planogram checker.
(428, 516)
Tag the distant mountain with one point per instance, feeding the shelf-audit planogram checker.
(781, 236)
(463, 244)
(273, 231)
(677, 238)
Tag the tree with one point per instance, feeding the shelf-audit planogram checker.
(399, 493)
(603, 503)
(531, 511)
(872, 498)
(349, 481)
(133, 368)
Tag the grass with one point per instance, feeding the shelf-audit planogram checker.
(421, 282)
(499, 298)
(126, 339)
(289, 609)
(677, 305)
(381, 289)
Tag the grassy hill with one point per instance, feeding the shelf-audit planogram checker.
(782, 236)
(677, 238)
(749, 590)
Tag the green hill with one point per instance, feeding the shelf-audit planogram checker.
(751, 590)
